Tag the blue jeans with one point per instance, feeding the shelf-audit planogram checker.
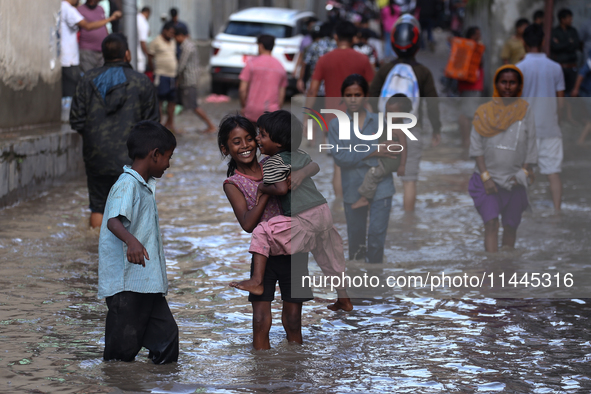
(379, 215)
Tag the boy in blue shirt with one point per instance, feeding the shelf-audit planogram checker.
(132, 268)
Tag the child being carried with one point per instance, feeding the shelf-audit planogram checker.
(397, 103)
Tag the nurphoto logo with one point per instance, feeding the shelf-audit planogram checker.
(345, 129)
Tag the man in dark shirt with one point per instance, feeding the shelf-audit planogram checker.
(109, 100)
(405, 43)
(428, 10)
(174, 18)
(538, 18)
(564, 46)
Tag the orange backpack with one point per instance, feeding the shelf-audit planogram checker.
(464, 60)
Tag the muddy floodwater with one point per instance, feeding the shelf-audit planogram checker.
(52, 324)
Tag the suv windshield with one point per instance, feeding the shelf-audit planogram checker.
(254, 29)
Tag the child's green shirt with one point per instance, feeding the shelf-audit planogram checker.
(278, 167)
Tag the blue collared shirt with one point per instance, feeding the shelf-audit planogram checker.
(353, 166)
(132, 199)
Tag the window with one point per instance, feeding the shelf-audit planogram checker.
(254, 29)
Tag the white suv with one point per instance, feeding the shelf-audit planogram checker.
(237, 43)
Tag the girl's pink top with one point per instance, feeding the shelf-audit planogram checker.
(248, 185)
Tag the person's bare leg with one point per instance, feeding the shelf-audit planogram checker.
(584, 134)
(291, 317)
(261, 324)
(569, 112)
(337, 184)
(343, 302)
(210, 126)
(556, 190)
(509, 236)
(410, 195)
(362, 202)
(491, 236)
(96, 219)
(254, 285)
(464, 123)
(170, 107)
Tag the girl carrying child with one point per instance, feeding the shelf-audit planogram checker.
(236, 138)
(306, 224)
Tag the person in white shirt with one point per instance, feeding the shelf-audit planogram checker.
(71, 20)
(143, 32)
(543, 83)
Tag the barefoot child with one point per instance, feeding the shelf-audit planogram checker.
(237, 139)
(188, 76)
(306, 224)
(132, 268)
(397, 103)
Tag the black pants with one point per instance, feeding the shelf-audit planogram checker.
(570, 78)
(70, 77)
(99, 187)
(138, 319)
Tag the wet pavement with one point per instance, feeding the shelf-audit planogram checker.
(52, 324)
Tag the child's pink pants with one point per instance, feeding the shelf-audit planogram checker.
(308, 231)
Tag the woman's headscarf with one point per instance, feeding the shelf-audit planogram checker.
(495, 117)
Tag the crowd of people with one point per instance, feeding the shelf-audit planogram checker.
(166, 75)
(119, 110)
(170, 59)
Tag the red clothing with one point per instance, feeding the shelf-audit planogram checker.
(265, 76)
(476, 86)
(337, 65)
(92, 40)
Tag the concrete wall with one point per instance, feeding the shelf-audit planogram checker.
(30, 88)
(36, 151)
(36, 160)
(496, 19)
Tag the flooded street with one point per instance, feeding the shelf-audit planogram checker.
(52, 324)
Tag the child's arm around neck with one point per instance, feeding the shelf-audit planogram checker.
(274, 189)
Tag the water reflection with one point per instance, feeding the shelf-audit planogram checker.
(51, 324)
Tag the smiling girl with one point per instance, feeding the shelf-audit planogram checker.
(236, 139)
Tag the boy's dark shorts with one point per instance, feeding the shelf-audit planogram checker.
(279, 269)
(166, 89)
(188, 97)
(98, 191)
